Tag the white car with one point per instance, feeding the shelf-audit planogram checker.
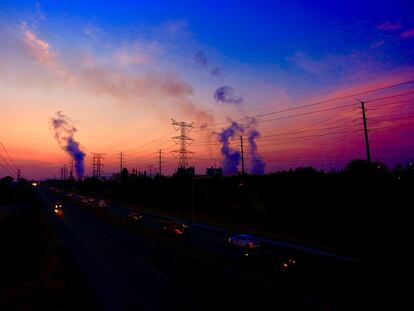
(245, 241)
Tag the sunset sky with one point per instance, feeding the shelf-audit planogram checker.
(120, 70)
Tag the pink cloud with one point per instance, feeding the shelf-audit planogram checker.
(389, 26)
(127, 58)
(126, 87)
(38, 48)
(408, 34)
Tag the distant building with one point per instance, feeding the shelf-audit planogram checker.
(213, 171)
(185, 171)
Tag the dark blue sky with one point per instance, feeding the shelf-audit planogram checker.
(256, 31)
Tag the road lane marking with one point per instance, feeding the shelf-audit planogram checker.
(101, 261)
(152, 246)
(155, 270)
(90, 226)
(110, 240)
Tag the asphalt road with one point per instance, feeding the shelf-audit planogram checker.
(325, 279)
(130, 272)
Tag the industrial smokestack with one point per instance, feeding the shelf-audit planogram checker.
(231, 157)
(257, 163)
(64, 133)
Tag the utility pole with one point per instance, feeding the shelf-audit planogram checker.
(93, 165)
(159, 162)
(365, 131)
(65, 172)
(71, 168)
(99, 165)
(192, 199)
(121, 162)
(242, 153)
(183, 139)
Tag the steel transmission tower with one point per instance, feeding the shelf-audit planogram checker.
(97, 164)
(183, 139)
(121, 161)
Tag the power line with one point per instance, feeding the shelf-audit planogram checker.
(143, 156)
(393, 117)
(6, 169)
(388, 97)
(8, 155)
(299, 114)
(307, 136)
(10, 169)
(321, 102)
(305, 129)
(151, 142)
(296, 137)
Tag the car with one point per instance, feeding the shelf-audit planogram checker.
(134, 216)
(283, 264)
(57, 206)
(102, 204)
(287, 264)
(244, 241)
(272, 260)
(175, 228)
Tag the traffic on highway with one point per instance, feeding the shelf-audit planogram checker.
(312, 279)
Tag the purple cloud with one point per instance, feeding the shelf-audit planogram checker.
(389, 26)
(216, 71)
(201, 59)
(225, 94)
(408, 34)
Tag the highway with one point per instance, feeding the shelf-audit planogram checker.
(129, 270)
